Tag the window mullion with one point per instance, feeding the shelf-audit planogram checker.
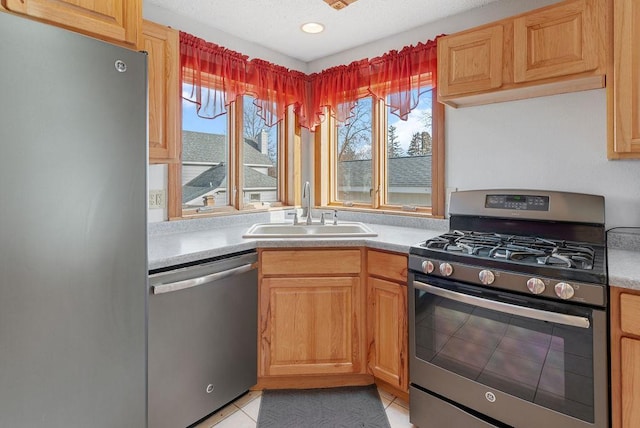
(235, 147)
(379, 154)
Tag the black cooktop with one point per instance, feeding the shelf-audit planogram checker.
(540, 256)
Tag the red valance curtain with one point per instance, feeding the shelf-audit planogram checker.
(215, 76)
(275, 88)
(399, 78)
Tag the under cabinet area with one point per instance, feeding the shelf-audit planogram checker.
(387, 337)
(115, 21)
(625, 357)
(556, 49)
(311, 314)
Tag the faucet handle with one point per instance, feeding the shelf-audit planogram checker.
(295, 216)
(335, 217)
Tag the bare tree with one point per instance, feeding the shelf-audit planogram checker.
(253, 125)
(354, 137)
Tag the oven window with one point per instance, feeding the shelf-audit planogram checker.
(542, 362)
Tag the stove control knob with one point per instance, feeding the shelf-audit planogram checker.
(564, 290)
(486, 277)
(446, 269)
(535, 285)
(427, 266)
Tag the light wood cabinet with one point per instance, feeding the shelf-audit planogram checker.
(387, 318)
(311, 314)
(163, 47)
(557, 41)
(472, 61)
(624, 94)
(556, 49)
(116, 21)
(625, 358)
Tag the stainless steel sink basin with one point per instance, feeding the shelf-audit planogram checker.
(288, 230)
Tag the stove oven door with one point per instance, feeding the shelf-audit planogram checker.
(501, 359)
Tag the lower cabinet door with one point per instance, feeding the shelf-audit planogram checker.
(387, 331)
(630, 359)
(310, 326)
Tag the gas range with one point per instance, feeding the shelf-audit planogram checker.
(508, 313)
(524, 241)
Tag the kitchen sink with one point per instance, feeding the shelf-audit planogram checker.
(289, 230)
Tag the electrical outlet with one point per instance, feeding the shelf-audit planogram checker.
(157, 198)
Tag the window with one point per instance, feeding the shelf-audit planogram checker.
(205, 159)
(353, 155)
(260, 158)
(223, 154)
(377, 161)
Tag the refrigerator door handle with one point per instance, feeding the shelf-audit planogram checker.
(194, 282)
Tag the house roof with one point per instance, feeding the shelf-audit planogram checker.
(210, 148)
(407, 171)
(216, 177)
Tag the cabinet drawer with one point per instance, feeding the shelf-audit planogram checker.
(390, 266)
(630, 313)
(310, 262)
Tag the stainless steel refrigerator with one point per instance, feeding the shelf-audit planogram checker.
(73, 259)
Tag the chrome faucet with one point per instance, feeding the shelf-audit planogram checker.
(306, 200)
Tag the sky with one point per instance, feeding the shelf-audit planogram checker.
(413, 124)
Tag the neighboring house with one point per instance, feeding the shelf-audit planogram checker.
(409, 180)
(204, 172)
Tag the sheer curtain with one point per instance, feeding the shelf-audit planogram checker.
(215, 76)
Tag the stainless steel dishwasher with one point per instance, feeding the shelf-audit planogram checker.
(203, 333)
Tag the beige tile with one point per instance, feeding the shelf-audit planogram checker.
(399, 401)
(237, 420)
(386, 398)
(253, 408)
(247, 398)
(398, 416)
(218, 416)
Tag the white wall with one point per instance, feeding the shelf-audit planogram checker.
(554, 143)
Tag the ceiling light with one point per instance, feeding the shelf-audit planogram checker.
(312, 27)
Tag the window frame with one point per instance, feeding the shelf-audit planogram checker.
(235, 179)
(325, 164)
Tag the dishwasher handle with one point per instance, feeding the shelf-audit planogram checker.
(194, 282)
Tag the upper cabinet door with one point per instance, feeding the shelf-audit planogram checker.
(470, 61)
(163, 46)
(556, 41)
(625, 142)
(110, 20)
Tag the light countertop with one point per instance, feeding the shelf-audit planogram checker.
(177, 243)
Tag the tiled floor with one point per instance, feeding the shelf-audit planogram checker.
(243, 413)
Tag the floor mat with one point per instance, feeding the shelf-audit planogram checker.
(344, 407)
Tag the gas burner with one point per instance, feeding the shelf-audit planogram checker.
(530, 250)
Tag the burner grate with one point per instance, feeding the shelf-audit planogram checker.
(515, 248)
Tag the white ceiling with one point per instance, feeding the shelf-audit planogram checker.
(275, 24)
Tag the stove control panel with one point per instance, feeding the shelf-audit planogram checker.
(518, 202)
(550, 288)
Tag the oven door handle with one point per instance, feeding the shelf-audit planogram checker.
(507, 308)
